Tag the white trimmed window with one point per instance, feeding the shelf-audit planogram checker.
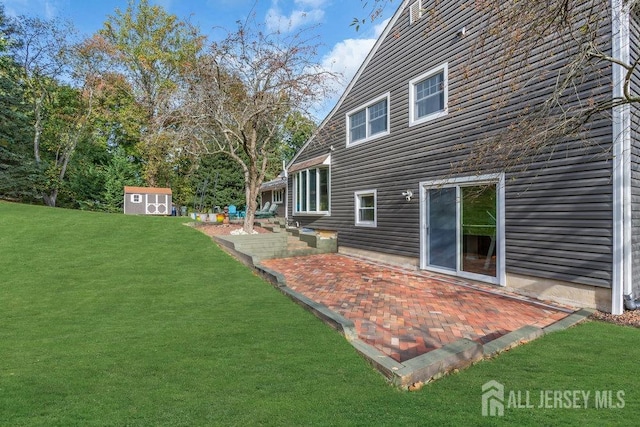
(369, 121)
(278, 196)
(312, 191)
(136, 198)
(366, 208)
(428, 95)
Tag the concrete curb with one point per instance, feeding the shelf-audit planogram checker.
(429, 366)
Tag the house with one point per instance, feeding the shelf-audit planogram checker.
(379, 173)
(274, 192)
(147, 201)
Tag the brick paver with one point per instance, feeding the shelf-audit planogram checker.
(406, 313)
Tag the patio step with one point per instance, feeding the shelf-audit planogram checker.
(251, 249)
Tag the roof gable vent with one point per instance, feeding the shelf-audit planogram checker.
(415, 11)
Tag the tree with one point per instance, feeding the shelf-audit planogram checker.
(19, 178)
(242, 92)
(41, 48)
(151, 48)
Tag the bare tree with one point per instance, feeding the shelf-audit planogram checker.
(242, 92)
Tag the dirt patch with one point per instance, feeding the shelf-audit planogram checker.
(222, 229)
(628, 318)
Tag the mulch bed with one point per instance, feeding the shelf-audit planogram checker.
(628, 318)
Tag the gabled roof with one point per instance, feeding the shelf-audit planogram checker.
(147, 190)
(355, 78)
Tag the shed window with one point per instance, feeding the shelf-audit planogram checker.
(136, 198)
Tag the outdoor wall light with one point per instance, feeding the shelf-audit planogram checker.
(408, 195)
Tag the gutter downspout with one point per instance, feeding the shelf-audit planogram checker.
(286, 194)
(621, 124)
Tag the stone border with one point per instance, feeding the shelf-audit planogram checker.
(429, 366)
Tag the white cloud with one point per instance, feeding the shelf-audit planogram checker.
(47, 9)
(314, 4)
(378, 29)
(306, 12)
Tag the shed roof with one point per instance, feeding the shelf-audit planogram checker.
(147, 190)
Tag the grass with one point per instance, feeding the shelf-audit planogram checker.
(120, 320)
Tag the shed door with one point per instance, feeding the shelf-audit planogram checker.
(156, 204)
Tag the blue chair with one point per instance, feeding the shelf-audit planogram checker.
(233, 212)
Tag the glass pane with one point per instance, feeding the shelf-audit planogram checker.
(324, 189)
(429, 96)
(442, 228)
(303, 191)
(367, 215)
(366, 201)
(313, 190)
(298, 193)
(479, 230)
(378, 117)
(358, 125)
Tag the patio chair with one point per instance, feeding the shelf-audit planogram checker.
(233, 212)
(269, 214)
(264, 209)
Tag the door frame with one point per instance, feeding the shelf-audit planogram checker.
(499, 181)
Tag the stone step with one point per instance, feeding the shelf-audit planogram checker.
(282, 242)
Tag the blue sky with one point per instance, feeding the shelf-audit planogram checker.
(343, 48)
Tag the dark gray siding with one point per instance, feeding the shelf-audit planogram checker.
(635, 158)
(558, 211)
(267, 196)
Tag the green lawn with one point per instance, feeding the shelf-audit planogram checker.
(117, 320)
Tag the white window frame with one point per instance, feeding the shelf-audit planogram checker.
(136, 198)
(277, 196)
(494, 179)
(357, 200)
(369, 137)
(296, 191)
(444, 69)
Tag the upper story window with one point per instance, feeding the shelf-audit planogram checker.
(428, 95)
(278, 196)
(311, 191)
(365, 203)
(136, 198)
(369, 121)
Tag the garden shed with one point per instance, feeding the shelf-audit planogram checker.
(147, 201)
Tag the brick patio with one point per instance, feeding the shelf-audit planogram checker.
(407, 313)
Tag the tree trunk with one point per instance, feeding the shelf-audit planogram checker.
(37, 131)
(50, 199)
(251, 194)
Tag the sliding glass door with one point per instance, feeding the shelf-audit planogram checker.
(461, 229)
